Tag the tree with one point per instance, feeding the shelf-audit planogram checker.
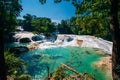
(104, 7)
(27, 22)
(19, 22)
(9, 9)
(114, 26)
(73, 25)
(64, 27)
(43, 25)
(92, 17)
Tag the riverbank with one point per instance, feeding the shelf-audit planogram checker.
(105, 65)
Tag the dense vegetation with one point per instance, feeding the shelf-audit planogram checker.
(13, 64)
(15, 67)
(9, 10)
(37, 24)
(85, 25)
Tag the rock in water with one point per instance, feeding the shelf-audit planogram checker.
(33, 46)
(18, 50)
(37, 38)
(24, 40)
(69, 39)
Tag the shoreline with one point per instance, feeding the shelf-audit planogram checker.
(105, 64)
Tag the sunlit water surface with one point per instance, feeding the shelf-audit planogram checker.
(80, 59)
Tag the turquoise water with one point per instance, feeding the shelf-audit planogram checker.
(14, 44)
(80, 59)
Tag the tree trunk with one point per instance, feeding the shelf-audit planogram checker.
(114, 26)
(3, 75)
(2, 60)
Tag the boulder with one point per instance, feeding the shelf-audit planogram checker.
(37, 38)
(33, 46)
(69, 39)
(79, 42)
(24, 40)
(18, 50)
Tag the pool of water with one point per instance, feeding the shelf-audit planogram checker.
(80, 59)
(14, 44)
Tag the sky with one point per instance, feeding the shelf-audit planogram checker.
(64, 10)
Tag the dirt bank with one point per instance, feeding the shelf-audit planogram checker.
(105, 64)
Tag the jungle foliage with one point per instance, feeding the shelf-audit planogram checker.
(15, 66)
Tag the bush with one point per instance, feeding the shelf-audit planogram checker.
(24, 77)
(59, 74)
(13, 64)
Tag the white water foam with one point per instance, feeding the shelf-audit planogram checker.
(64, 40)
(88, 41)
